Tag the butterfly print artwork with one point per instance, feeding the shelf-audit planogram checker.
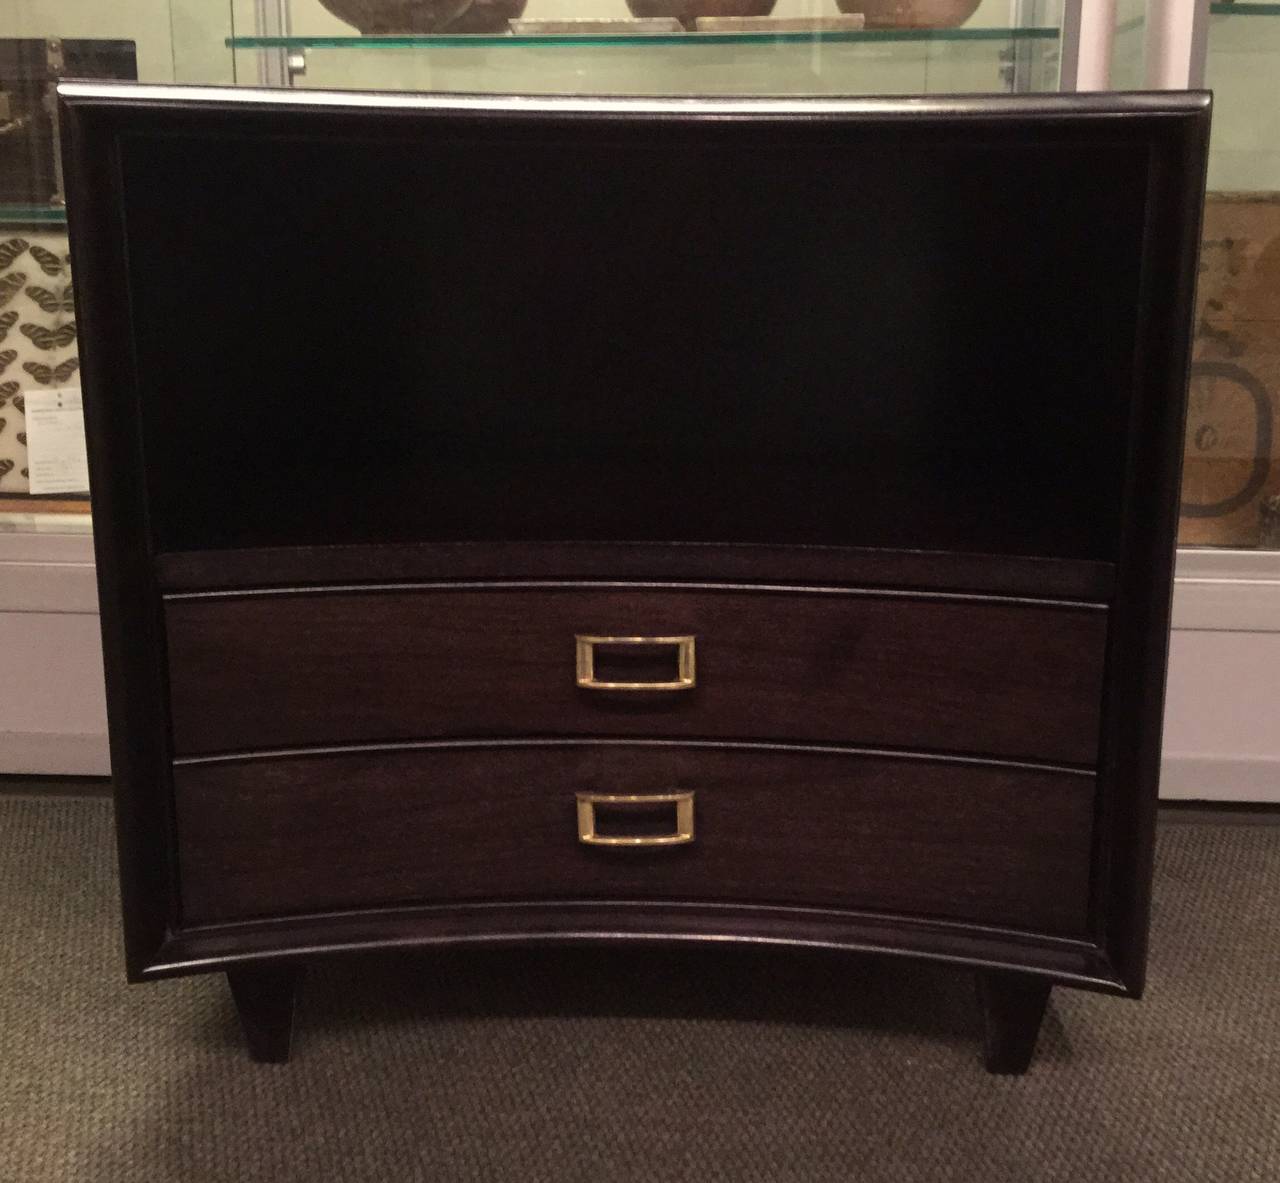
(22, 438)
(11, 249)
(46, 374)
(52, 301)
(50, 264)
(6, 467)
(6, 358)
(11, 285)
(43, 338)
(7, 321)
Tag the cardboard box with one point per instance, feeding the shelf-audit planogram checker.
(1232, 459)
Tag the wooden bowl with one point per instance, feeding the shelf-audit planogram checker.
(398, 16)
(912, 14)
(487, 16)
(688, 11)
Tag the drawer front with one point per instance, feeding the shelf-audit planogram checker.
(982, 843)
(1004, 678)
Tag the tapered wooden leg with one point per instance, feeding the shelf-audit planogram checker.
(1012, 1007)
(265, 997)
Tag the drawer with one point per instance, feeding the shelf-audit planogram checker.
(982, 843)
(1008, 678)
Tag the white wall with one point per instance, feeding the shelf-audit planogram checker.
(1222, 716)
(1222, 726)
(53, 709)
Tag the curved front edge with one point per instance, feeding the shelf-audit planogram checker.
(217, 947)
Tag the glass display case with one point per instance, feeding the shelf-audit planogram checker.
(1231, 488)
(669, 61)
(802, 47)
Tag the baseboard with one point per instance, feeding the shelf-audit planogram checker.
(55, 753)
(1220, 778)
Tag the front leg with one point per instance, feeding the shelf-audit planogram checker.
(1012, 1007)
(265, 996)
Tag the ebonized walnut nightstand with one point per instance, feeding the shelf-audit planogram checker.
(873, 656)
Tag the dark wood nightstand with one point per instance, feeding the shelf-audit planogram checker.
(871, 662)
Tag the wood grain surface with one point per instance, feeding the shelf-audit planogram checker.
(1008, 679)
(319, 833)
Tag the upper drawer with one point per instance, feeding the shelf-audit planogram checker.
(1005, 678)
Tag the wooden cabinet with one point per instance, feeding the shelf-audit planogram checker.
(868, 658)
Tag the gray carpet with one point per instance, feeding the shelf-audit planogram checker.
(630, 1064)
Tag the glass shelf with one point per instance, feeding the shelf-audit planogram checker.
(865, 61)
(463, 41)
(32, 215)
(1244, 8)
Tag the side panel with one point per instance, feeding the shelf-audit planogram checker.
(132, 630)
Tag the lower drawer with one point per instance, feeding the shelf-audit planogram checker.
(981, 843)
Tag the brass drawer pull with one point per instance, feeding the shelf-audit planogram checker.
(586, 662)
(587, 803)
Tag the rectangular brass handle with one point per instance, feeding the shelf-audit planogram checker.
(586, 662)
(587, 803)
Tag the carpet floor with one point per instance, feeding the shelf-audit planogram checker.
(632, 1064)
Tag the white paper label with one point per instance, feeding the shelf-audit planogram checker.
(56, 459)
